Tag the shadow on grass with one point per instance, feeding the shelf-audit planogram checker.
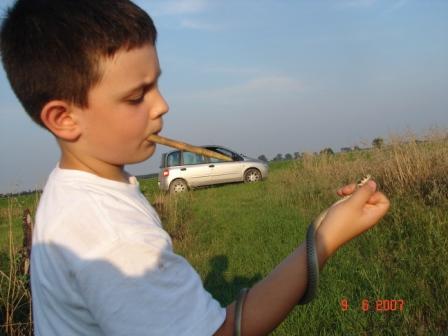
(221, 289)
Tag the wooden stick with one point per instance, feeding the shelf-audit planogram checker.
(186, 147)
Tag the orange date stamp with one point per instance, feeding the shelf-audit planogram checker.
(378, 305)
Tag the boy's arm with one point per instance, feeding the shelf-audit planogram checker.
(270, 300)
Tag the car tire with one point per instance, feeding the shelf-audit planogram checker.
(252, 175)
(178, 186)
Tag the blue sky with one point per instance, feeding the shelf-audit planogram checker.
(273, 76)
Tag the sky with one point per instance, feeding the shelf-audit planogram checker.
(273, 76)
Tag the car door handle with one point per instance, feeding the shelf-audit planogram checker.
(183, 169)
(211, 166)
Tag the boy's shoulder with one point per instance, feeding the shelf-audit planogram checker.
(83, 211)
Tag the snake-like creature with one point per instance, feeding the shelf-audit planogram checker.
(313, 263)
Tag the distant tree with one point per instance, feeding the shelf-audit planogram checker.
(288, 156)
(378, 143)
(278, 157)
(356, 148)
(262, 157)
(327, 151)
(346, 149)
(297, 155)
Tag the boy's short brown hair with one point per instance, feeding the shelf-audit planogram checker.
(51, 48)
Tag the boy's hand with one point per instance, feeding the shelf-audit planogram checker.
(348, 219)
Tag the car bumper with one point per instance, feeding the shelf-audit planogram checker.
(163, 184)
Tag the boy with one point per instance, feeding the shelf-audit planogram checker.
(101, 262)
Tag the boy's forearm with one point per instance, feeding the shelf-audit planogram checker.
(271, 299)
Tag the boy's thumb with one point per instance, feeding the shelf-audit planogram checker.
(362, 195)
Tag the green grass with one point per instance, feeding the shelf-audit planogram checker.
(234, 235)
(11, 211)
(149, 188)
(239, 233)
(15, 296)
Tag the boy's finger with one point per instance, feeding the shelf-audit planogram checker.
(377, 198)
(363, 194)
(378, 209)
(346, 190)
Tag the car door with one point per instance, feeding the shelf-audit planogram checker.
(226, 171)
(194, 169)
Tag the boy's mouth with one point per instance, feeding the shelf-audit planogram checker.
(150, 138)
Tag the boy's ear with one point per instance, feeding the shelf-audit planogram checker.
(59, 117)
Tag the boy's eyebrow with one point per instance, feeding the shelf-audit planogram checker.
(143, 85)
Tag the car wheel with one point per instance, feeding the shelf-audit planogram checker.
(178, 186)
(252, 175)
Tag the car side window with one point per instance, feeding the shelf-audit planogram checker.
(214, 160)
(192, 158)
(173, 159)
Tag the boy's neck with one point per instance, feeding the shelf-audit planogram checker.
(101, 169)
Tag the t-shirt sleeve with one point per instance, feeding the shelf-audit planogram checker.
(133, 288)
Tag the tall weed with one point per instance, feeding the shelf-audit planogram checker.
(15, 291)
(405, 166)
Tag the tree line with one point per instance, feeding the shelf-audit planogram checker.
(376, 143)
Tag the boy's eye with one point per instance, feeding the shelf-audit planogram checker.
(136, 101)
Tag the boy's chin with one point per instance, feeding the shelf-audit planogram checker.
(142, 158)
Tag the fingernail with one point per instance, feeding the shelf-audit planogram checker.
(372, 185)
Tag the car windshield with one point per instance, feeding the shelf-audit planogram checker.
(224, 151)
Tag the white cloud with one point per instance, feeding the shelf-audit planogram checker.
(252, 89)
(273, 83)
(231, 70)
(390, 5)
(180, 7)
(396, 5)
(183, 10)
(358, 3)
(197, 25)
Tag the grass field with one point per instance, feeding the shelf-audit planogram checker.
(234, 235)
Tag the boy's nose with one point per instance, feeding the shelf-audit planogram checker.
(161, 107)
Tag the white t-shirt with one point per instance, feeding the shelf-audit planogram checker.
(101, 264)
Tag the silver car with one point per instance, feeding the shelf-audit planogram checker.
(182, 170)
